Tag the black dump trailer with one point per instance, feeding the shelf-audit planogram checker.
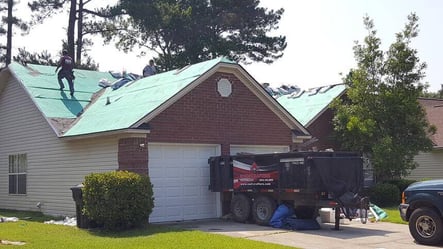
(307, 181)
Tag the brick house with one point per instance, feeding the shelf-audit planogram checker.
(166, 125)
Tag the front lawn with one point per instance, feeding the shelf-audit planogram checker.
(35, 234)
(393, 215)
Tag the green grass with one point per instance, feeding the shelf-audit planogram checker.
(393, 215)
(37, 235)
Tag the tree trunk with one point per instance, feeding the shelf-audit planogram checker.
(71, 28)
(9, 35)
(79, 32)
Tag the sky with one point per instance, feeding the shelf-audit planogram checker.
(320, 36)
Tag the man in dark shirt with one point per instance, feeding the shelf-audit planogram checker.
(149, 69)
(67, 65)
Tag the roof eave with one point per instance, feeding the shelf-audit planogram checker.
(126, 132)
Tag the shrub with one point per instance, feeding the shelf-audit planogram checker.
(118, 200)
(384, 195)
(402, 184)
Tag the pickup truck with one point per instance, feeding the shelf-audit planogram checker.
(422, 207)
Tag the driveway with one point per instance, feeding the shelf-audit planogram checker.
(352, 234)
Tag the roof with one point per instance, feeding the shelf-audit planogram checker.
(434, 114)
(136, 99)
(94, 109)
(306, 106)
(41, 84)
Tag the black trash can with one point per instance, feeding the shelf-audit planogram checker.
(77, 195)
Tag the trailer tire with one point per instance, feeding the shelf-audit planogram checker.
(241, 207)
(263, 208)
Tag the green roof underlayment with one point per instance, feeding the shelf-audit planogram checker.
(114, 109)
(307, 105)
(128, 104)
(133, 101)
(42, 85)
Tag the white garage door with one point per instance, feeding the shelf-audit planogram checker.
(180, 175)
(258, 149)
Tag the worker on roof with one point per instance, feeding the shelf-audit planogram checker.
(149, 69)
(67, 65)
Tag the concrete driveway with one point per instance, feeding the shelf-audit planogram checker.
(379, 235)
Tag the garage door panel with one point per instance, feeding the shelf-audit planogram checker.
(180, 175)
(174, 212)
(174, 192)
(165, 182)
(154, 172)
(194, 182)
(190, 183)
(204, 190)
(205, 172)
(173, 172)
(190, 192)
(155, 154)
(204, 151)
(190, 163)
(171, 152)
(190, 153)
(171, 163)
(191, 172)
(189, 211)
(191, 201)
(193, 152)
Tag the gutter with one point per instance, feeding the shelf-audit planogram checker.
(125, 132)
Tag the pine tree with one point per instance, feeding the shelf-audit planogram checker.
(190, 31)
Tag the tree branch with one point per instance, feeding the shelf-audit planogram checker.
(101, 14)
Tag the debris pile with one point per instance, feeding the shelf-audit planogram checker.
(8, 219)
(66, 221)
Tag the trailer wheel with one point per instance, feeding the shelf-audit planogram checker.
(263, 208)
(241, 207)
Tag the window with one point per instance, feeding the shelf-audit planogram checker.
(17, 173)
(224, 87)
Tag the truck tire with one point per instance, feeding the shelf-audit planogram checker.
(263, 208)
(426, 226)
(241, 207)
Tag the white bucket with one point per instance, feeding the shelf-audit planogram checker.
(327, 215)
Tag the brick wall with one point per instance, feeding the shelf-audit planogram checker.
(203, 116)
(133, 155)
(322, 129)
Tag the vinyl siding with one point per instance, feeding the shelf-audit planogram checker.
(430, 166)
(54, 165)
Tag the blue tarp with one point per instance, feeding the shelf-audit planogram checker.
(283, 218)
(282, 212)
